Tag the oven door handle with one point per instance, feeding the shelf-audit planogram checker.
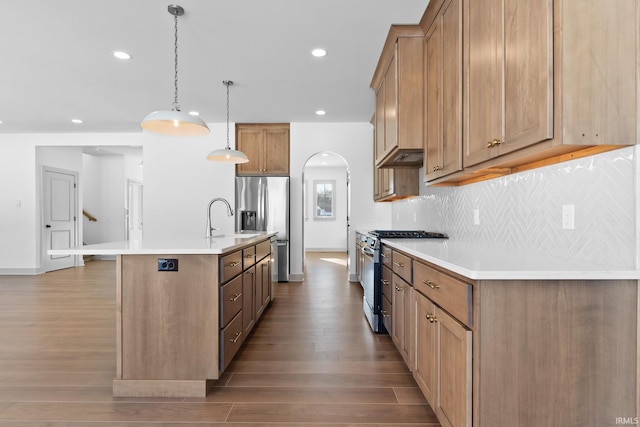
(367, 251)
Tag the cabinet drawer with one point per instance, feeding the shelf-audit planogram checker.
(230, 266)
(401, 265)
(230, 300)
(248, 257)
(449, 293)
(386, 313)
(385, 256)
(230, 341)
(386, 282)
(263, 249)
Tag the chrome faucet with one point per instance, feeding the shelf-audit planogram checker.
(229, 213)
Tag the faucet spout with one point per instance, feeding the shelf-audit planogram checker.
(229, 213)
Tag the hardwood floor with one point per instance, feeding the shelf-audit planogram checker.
(311, 361)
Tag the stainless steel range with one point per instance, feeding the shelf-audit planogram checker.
(372, 269)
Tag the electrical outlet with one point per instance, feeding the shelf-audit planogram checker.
(167, 264)
(568, 217)
(476, 217)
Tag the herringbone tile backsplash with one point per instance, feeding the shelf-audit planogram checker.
(523, 211)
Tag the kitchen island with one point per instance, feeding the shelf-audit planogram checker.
(499, 338)
(183, 308)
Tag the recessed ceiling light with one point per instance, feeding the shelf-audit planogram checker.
(319, 52)
(321, 112)
(194, 113)
(76, 121)
(325, 154)
(122, 55)
(0, 122)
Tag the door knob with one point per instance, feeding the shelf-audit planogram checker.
(48, 226)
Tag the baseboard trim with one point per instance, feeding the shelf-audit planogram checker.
(20, 271)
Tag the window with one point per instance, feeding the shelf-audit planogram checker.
(324, 199)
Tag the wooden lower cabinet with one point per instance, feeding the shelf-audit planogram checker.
(443, 363)
(248, 300)
(401, 315)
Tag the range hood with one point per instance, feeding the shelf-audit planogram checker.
(402, 158)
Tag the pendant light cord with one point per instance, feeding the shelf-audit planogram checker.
(176, 106)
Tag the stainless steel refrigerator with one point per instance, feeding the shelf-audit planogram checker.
(262, 204)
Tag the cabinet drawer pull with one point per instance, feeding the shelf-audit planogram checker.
(430, 284)
(384, 313)
(493, 143)
(234, 264)
(399, 289)
(432, 318)
(398, 264)
(385, 282)
(236, 338)
(383, 255)
(250, 256)
(235, 297)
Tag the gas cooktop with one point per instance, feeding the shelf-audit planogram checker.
(407, 234)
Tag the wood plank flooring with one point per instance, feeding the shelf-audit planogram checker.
(311, 361)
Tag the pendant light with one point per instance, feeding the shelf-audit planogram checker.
(175, 122)
(226, 154)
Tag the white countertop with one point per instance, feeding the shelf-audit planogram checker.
(479, 262)
(214, 245)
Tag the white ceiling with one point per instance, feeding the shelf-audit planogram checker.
(57, 61)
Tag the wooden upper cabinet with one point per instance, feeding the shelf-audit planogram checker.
(510, 74)
(266, 146)
(443, 92)
(398, 82)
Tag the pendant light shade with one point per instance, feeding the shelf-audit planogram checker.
(227, 155)
(174, 122)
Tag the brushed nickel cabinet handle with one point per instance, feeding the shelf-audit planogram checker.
(235, 297)
(397, 264)
(250, 256)
(385, 282)
(234, 264)
(236, 338)
(383, 255)
(384, 313)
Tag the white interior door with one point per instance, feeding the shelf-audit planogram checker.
(58, 217)
(134, 210)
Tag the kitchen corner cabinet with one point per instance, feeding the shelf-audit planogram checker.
(266, 146)
(398, 83)
(443, 92)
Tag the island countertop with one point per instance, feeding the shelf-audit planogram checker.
(478, 262)
(205, 245)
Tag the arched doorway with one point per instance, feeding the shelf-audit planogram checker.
(326, 204)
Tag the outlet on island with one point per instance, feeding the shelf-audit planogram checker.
(167, 264)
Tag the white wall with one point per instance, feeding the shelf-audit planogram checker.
(18, 209)
(179, 182)
(326, 234)
(352, 141)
